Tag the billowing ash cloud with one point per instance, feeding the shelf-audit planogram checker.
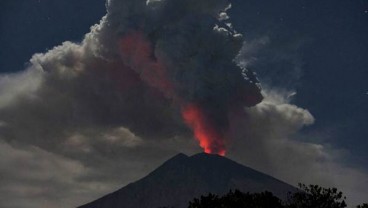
(143, 66)
(187, 54)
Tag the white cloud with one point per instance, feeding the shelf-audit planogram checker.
(122, 136)
(32, 177)
(14, 86)
(269, 142)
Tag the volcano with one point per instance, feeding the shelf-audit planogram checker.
(182, 178)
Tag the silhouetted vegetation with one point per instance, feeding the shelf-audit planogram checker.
(312, 196)
(365, 205)
(237, 199)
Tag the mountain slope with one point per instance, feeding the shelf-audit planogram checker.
(182, 178)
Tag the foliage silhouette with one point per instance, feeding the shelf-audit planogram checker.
(365, 205)
(312, 196)
(237, 199)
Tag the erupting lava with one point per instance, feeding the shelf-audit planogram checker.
(210, 138)
(137, 52)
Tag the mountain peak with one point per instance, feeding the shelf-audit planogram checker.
(206, 155)
(178, 158)
(198, 155)
(181, 178)
(180, 155)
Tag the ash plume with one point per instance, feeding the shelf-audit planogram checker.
(186, 50)
(157, 68)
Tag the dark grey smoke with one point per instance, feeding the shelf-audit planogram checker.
(137, 68)
(186, 50)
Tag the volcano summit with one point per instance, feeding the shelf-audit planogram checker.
(182, 178)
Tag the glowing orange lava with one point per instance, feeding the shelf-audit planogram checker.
(210, 138)
(139, 55)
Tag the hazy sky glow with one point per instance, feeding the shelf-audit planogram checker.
(79, 117)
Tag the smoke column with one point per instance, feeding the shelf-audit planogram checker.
(159, 68)
(185, 49)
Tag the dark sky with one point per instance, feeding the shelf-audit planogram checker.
(314, 51)
(331, 47)
(34, 26)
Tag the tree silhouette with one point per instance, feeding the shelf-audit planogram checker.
(365, 205)
(237, 199)
(314, 196)
(211, 200)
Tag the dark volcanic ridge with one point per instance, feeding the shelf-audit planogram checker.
(182, 178)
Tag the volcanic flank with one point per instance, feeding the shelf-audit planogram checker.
(182, 178)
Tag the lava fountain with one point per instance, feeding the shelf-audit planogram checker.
(210, 138)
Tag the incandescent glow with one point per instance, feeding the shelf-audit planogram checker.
(138, 54)
(210, 138)
(203, 82)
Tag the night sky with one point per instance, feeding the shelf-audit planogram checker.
(309, 54)
(326, 41)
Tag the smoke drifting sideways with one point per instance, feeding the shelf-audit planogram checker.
(186, 50)
(143, 59)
